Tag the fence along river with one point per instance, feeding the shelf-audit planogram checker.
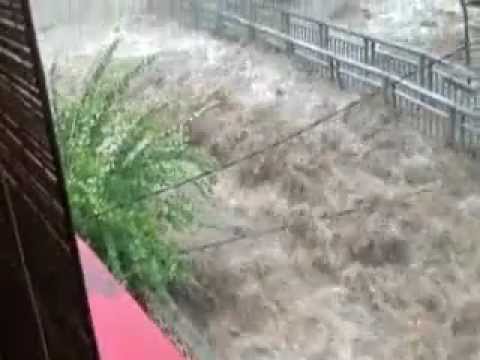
(440, 95)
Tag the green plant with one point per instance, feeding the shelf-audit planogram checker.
(112, 154)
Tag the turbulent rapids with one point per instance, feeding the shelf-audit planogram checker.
(376, 254)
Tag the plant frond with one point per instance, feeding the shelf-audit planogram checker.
(99, 68)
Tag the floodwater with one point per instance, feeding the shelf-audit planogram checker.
(429, 24)
(378, 259)
(376, 252)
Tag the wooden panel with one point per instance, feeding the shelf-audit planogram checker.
(45, 314)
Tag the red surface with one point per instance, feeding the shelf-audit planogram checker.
(123, 330)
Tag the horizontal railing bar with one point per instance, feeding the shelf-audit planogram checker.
(413, 51)
(361, 66)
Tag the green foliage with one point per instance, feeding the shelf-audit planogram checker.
(112, 154)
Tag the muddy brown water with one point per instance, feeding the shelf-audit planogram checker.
(378, 257)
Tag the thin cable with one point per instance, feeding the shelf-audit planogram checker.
(246, 235)
(233, 239)
(255, 153)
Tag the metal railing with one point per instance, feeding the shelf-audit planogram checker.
(442, 96)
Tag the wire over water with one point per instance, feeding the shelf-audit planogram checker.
(279, 142)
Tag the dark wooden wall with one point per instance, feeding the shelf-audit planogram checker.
(44, 313)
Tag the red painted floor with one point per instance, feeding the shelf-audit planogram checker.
(123, 330)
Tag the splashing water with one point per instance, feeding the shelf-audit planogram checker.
(330, 288)
(79, 27)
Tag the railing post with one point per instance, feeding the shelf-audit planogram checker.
(463, 118)
(452, 127)
(366, 50)
(323, 32)
(373, 50)
(286, 21)
(421, 71)
(326, 35)
(463, 141)
(430, 75)
(320, 35)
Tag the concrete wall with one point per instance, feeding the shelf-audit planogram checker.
(49, 12)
